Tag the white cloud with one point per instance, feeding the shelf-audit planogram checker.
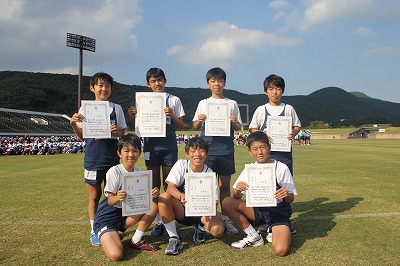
(223, 42)
(278, 4)
(365, 32)
(386, 51)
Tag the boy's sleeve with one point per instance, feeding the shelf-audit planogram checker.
(121, 122)
(256, 119)
(236, 112)
(175, 176)
(112, 184)
(198, 111)
(178, 108)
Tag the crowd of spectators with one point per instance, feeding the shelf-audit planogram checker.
(34, 145)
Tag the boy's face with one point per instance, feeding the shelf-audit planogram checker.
(196, 156)
(129, 155)
(274, 94)
(259, 151)
(101, 90)
(156, 84)
(216, 85)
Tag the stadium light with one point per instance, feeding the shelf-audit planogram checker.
(82, 43)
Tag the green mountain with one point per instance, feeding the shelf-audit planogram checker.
(57, 93)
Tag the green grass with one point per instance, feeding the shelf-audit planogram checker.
(347, 212)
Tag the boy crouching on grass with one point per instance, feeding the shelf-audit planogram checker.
(246, 218)
(109, 220)
(171, 203)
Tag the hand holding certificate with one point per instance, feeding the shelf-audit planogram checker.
(137, 186)
(150, 117)
(200, 194)
(278, 130)
(96, 123)
(218, 121)
(261, 185)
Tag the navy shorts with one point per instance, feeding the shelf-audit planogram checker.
(221, 164)
(160, 158)
(272, 216)
(108, 218)
(95, 177)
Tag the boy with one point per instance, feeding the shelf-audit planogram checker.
(274, 87)
(277, 217)
(221, 155)
(161, 152)
(171, 204)
(100, 154)
(109, 220)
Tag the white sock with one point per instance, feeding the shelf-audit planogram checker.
(157, 219)
(171, 229)
(91, 225)
(251, 231)
(137, 236)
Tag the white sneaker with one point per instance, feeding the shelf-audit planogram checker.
(269, 237)
(249, 241)
(230, 227)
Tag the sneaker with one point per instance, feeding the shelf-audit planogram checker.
(269, 237)
(199, 234)
(142, 245)
(249, 241)
(95, 240)
(159, 230)
(174, 246)
(230, 227)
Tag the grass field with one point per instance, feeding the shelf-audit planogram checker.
(347, 212)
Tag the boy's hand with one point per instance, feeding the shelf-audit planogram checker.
(121, 195)
(182, 198)
(155, 192)
(76, 118)
(202, 117)
(168, 111)
(281, 193)
(241, 186)
(132, 111)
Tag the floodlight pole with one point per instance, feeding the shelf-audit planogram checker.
(82, 43)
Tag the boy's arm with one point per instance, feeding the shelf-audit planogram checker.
(197, 124)
(283, 194)
(73, 122)
(173, 190)
(295, 131)
(178, 121)
(132, 111)
(115, 198)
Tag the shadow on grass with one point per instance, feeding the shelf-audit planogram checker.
(317, 218)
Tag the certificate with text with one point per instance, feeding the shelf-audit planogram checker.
(278, 130)
(218, 122)
(96, 123)
(261, 185)
(200, 189)
(137, 186)
(150, 117)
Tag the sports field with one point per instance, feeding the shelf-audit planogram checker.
(347, 212)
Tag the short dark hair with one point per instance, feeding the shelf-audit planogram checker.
(127, 139)
(155, 72)
(197, 142)
(216, 72)
(101, 76)
(274, 80)
(257, 136)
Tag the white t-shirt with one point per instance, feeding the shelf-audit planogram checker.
(283, 177)
(177, 174)
(114, 180)
(259, 115)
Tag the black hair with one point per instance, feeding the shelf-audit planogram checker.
(257, 136)
(216, 72)
(101, 76)
(196, 142)
(127, 139)
(274, 80)
(155, 72)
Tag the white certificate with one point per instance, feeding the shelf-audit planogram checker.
(150, 117)
(137, 186)
(96, 123)
(278, 130)
(200, 189)
(218, 122)
(261, 185)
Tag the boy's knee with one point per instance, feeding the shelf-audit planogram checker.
(281, 251)
(217, 231)
(227, 202)
(115, 256)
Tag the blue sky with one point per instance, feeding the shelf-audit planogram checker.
(312, 44)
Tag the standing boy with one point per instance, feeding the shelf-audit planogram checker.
(172, 203)
(109, 220)
(161, 152)
(221, 154)
(100, 154)
(274, 87)
(246, 218)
